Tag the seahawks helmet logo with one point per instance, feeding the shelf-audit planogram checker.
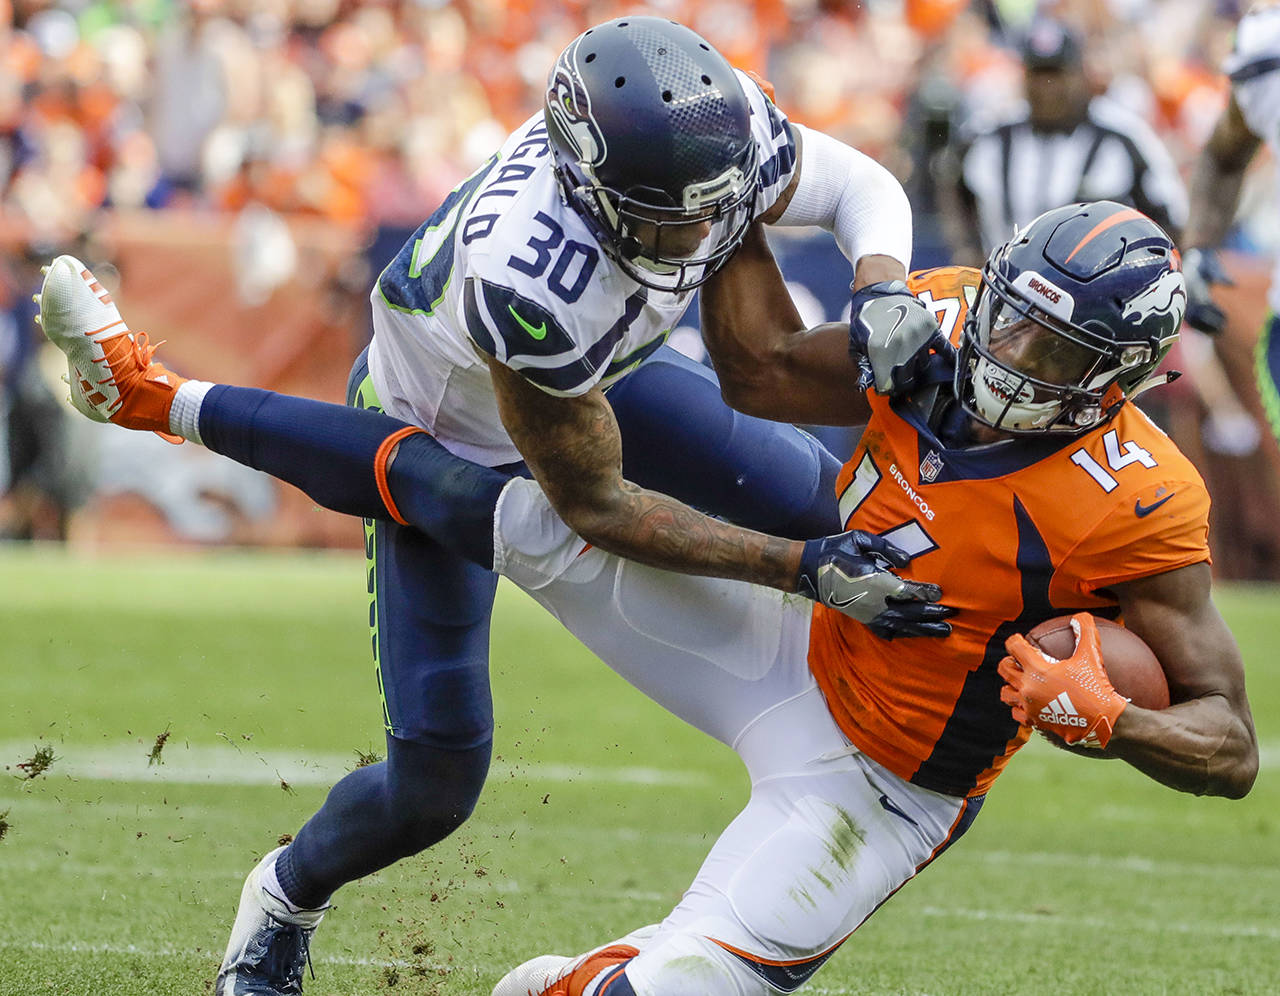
(1166, 296)
(569, 105)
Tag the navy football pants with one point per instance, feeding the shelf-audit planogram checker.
(430, 607)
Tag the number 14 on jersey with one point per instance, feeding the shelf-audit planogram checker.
(1119, 456)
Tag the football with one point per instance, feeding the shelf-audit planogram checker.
(1132, 667)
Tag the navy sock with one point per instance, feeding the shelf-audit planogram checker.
(329, 451)
(326, 450)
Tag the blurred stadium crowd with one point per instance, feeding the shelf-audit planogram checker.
(364, 111)
(277, 151)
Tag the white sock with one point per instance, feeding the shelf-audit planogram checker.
(271, 884)
(184, 415)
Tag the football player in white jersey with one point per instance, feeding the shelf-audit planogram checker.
(1251, 118)
(547, 277)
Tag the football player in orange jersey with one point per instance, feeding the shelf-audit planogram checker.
(1009, 465)
(1020, 479)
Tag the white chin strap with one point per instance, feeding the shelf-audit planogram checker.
(992, 389)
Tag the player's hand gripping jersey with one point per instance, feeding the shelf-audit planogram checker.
(1015, 532)
(506, 268)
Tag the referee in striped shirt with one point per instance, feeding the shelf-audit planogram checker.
(1064, 145)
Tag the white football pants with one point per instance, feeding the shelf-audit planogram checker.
(827, 834)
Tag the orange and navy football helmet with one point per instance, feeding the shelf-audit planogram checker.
(1074, 314)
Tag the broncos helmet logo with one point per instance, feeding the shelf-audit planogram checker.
(570, 104)
(1165, 296)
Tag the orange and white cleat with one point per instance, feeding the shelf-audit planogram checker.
(110, 369)
(557, 975)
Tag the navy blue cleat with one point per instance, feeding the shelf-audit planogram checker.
(270, 942)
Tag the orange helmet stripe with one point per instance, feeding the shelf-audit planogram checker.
(1102, 226)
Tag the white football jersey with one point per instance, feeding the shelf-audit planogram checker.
(505, 268)
(1254, 69)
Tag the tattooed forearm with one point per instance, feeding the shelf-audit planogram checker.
(573, 447)
(658, 530)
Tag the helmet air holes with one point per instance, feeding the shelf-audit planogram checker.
(634, 193)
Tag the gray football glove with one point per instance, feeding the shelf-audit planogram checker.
(850, 572)
(892, 336)
(1201, 269)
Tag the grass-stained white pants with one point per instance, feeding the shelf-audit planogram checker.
(827, 834)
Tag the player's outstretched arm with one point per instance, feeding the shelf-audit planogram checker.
(1205, 741)
(1217, 177)
(1216, 181)
(573, 447)
(769, 364)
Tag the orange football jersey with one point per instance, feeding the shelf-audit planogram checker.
(1015, 532)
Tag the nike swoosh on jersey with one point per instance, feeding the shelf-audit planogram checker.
(538, 332)
(1141, 510)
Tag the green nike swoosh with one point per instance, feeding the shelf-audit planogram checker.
(538, 332)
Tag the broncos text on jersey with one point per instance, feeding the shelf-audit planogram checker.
(1015, 532)
(506, 269)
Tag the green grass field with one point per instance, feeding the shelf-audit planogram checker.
(121, 877)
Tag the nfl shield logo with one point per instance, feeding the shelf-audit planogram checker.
(931, 466)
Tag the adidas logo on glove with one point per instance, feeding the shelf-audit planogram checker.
(1060, 712)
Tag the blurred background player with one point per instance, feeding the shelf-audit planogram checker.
(1251, 118)
(1063, 144)
(866, 759)
(44, 474)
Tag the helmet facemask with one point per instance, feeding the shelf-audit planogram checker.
(1023, 370)
(677, 247)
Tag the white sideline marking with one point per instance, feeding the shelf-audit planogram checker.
(227, 764)
(1053, 921)
(244, 764)
(1116, 862)
(172, 952)
(167, 951)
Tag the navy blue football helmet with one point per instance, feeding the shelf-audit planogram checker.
(1074, 314)
(651, 134)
